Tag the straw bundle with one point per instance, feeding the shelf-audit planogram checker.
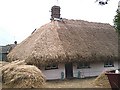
(21, 76)
(68, 41)
(102, 81)
(2, 63)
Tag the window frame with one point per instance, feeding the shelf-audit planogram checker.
(83, 65)
(109, 63)
(51, 66)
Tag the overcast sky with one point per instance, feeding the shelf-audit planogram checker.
(18, 18)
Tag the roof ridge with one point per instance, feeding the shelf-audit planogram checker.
(64, 19)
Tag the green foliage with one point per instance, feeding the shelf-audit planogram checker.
(117, 21)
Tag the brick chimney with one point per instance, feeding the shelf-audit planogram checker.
(55, 13)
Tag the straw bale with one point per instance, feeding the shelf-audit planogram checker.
(2, 63)
(102, 81)
(22, 76)
(68, 41)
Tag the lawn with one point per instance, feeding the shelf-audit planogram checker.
(73, 83)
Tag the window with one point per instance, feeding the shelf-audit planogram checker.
(83, 65)
(108, 64)
(52, 66)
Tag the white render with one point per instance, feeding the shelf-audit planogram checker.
(54, 73)
(95, 69)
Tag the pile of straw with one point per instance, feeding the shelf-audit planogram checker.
(2, 63)
(102, 81)
(16, 75)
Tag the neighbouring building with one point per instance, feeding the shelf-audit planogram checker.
(4, 50)
(66, 48)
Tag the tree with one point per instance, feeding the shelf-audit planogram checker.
(101, 2)
(117, 21)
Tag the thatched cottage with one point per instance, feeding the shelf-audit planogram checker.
(70, 48)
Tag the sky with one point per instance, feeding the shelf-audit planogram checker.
(18, 18)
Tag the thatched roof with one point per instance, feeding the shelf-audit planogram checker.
(68, 41)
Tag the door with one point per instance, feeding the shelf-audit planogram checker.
(68, 70)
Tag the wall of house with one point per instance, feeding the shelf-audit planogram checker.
(0, 56)
(95, 69)
(54, 73)
(4, 56)
(119, 64)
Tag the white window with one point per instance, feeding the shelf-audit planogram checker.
(83, 65)
(51, 66)
(109, 64)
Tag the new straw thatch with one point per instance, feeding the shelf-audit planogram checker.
(102, 81)
(68, 41)
(17, 75)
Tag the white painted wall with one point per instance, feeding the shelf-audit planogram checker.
(95, 69)
(54, 73)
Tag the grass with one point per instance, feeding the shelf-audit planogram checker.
(73, 83)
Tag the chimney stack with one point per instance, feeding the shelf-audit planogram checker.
(55, 13)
